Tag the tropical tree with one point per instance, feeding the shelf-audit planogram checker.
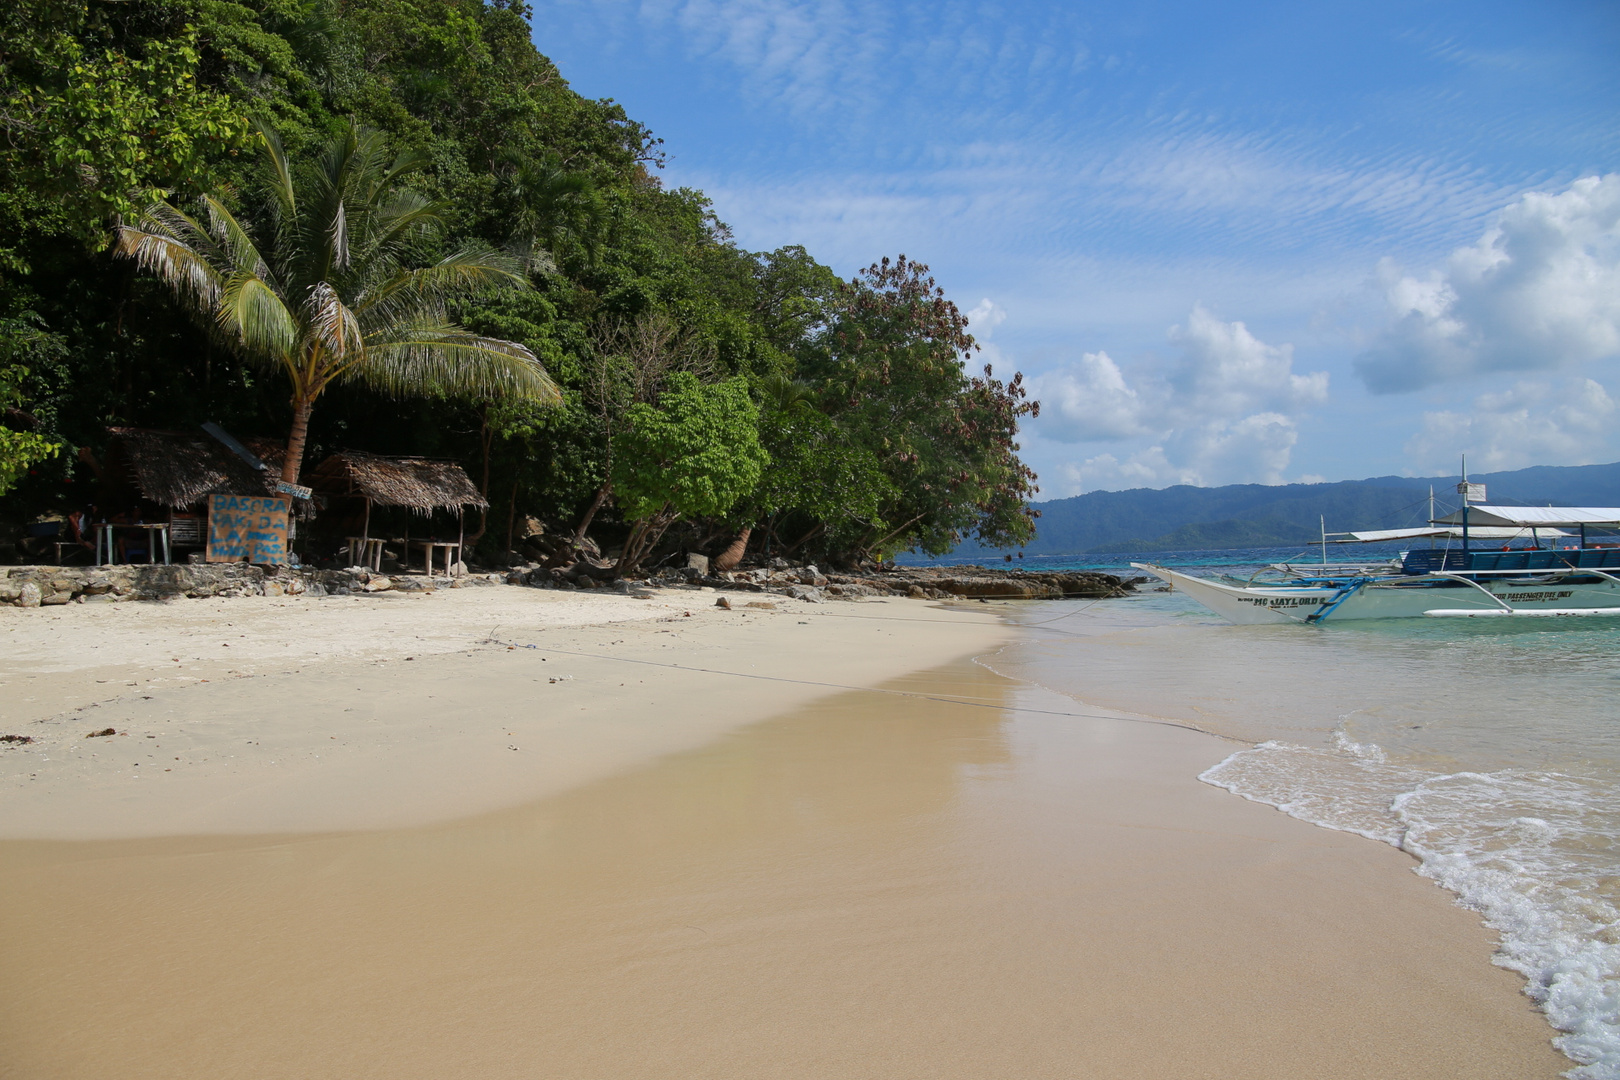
(694, 454)
(894, 378)
(320, 286)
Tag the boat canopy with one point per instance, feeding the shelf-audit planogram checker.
(1478, 532)
(1533, 517)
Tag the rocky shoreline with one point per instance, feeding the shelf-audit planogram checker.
(44, 586)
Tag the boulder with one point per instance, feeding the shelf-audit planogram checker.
(807, 593)
(697, 562)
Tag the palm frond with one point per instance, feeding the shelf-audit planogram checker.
(331, 327)
(240, 253)
(409, 291)
(158, 250)
(339, 238)
(278, 172)
(448, 360)
(254, 315)
(393, 223)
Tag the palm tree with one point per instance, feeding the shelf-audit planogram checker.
(322, 289)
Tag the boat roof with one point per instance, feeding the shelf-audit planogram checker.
(1478, 532)
(1527, 517)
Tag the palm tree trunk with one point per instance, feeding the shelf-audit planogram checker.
(290, 468)
(729, 558)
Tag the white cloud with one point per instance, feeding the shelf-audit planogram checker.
(1105, 472)
(1539, 291)
(1227, 411)
(985, 317)
(1088, 401)
(1569, 422)
(1225, 370)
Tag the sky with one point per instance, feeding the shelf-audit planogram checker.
(1226, 243)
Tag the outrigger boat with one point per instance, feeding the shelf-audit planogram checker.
(1537, 582)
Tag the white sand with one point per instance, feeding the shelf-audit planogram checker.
(298, 714)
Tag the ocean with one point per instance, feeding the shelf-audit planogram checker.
(1490, 751)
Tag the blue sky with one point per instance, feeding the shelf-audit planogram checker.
(1257, 242)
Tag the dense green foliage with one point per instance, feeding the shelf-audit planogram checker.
(632, 288)
(324, 294)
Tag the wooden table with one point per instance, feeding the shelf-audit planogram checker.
(104, 540)
(429, 546)
(365, 551)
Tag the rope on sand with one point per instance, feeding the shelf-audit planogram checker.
(943, 699)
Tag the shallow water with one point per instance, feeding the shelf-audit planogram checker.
(1491, 752)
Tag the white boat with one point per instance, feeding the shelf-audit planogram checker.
(1581, 580)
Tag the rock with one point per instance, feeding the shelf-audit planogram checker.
(697, 562)
(778, 564)
(28, 595)
(723, 603)
(807, 593)
(378, 583)
(63, 597)
(916, 593)
(763, 605)
(101, 734)
(274, 588)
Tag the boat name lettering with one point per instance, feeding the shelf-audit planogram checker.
(1281, 601)
(1522, 597)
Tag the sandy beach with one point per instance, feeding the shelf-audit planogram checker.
(385, 836)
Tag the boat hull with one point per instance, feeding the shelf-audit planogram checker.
(1387, 599)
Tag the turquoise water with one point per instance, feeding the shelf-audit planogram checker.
(1490, 752)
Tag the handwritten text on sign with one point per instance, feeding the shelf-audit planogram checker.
(247, 527)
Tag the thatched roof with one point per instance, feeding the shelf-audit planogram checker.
(423, 484)
(177, 469)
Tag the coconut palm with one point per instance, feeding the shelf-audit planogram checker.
(321, 287)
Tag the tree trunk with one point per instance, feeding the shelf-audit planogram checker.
(729, 558)
(511, 514)
(486, 438)
(296, 438)
(815, 530)
(596, 504)
(644, 536)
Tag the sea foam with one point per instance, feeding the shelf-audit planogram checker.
(1533, 852)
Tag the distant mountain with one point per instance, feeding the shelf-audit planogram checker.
(1254, 515)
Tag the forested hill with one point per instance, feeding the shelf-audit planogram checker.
(194, 193)
(1254, 515)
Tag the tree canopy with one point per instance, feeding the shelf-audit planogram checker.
(630, 294)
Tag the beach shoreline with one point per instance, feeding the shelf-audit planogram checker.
(255, 715)
(732, 867)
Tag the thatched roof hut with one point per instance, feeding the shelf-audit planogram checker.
(179, 469)
(421, 484)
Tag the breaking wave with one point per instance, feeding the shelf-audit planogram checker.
(1535, 853)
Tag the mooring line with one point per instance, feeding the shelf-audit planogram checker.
(845, 686)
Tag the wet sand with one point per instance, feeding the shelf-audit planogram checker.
(864, 885)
